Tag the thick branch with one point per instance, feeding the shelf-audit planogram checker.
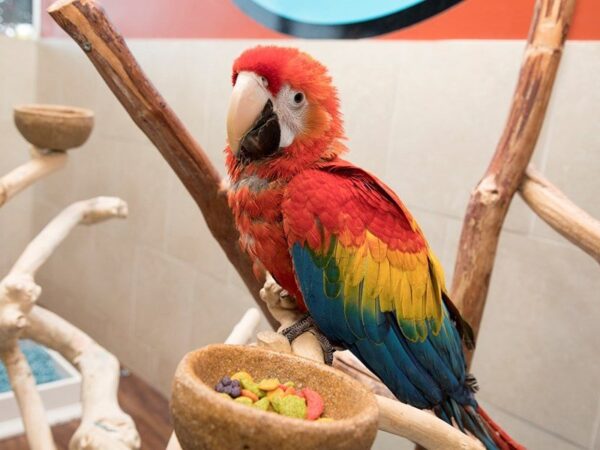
(103, 424)
(86, 22)
(422, 427)
(18, 316)
(560, 213)
(491, 198)
(349, 364)
(41, 165)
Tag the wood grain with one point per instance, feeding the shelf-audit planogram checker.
(491, 198)
(86, 22)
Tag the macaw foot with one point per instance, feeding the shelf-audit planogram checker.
(307, 323)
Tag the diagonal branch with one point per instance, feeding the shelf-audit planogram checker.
(491, 198)
(87, 23)
(555, 208)
(83, 212)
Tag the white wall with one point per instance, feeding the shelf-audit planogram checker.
(18, 63)
(425, 117)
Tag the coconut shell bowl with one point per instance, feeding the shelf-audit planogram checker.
(54, 127)
(204, 420)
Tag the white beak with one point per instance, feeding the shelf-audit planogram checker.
(246, 103)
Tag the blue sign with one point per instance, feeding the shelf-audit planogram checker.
(341, 19)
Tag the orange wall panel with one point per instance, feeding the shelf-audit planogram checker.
(471, 19)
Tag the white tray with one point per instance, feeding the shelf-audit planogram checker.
(61, 398)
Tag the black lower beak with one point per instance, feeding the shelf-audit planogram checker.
(263, 139)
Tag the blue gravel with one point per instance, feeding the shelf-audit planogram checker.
(42, 365)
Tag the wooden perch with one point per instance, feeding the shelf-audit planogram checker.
(86, 22)
(19, 317)
(422, 427)
(560, 213)
(491, 198)
(395, 417)
(41, 165)
(103, 424)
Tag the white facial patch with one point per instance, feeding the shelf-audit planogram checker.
(290, 107)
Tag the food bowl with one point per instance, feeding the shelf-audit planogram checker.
(54, 127)
(204, 420)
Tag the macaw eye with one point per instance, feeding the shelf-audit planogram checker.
(298, 99)
(264, 81)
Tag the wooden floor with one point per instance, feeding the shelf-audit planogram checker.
(148, 408)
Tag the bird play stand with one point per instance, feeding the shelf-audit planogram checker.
(508, 173)
(52, 131)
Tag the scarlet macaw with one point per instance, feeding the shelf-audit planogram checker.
(340, 241)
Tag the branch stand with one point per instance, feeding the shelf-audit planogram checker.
(86, 22)
(104, 424)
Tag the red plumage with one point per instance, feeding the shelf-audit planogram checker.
(305, 195)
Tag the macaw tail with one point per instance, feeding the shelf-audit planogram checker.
(500, 437)
(475, 421)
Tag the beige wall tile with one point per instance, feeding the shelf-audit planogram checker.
(15, 228)
(387, 441)
(110, 291)
(18, 72)
(213, 299)
(538, 335)
(163, 292)
(18, 63)
(423, 116)
(188, 238)
(448, 119)
(528, 434)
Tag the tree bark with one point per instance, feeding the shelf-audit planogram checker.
(86, 22)
(491, 198)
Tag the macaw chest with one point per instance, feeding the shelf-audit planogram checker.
(256, 206)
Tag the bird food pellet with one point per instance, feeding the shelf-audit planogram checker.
(270, 394)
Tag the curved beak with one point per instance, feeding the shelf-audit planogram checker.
(245, 105)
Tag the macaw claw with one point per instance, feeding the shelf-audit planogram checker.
(307, 323)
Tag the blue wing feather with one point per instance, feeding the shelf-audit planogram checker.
(420, 373)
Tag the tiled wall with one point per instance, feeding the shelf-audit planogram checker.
(18, 62)
(425, 117)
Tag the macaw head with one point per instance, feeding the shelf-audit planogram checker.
(284, 112)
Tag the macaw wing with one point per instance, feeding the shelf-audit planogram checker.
(365, 269)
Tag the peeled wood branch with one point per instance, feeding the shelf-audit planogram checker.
(86, 22)
(560, 213)
(19, 316)
(422, 427)
(491, 198)
(41, 165)
(103, 424)
(84, 212)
